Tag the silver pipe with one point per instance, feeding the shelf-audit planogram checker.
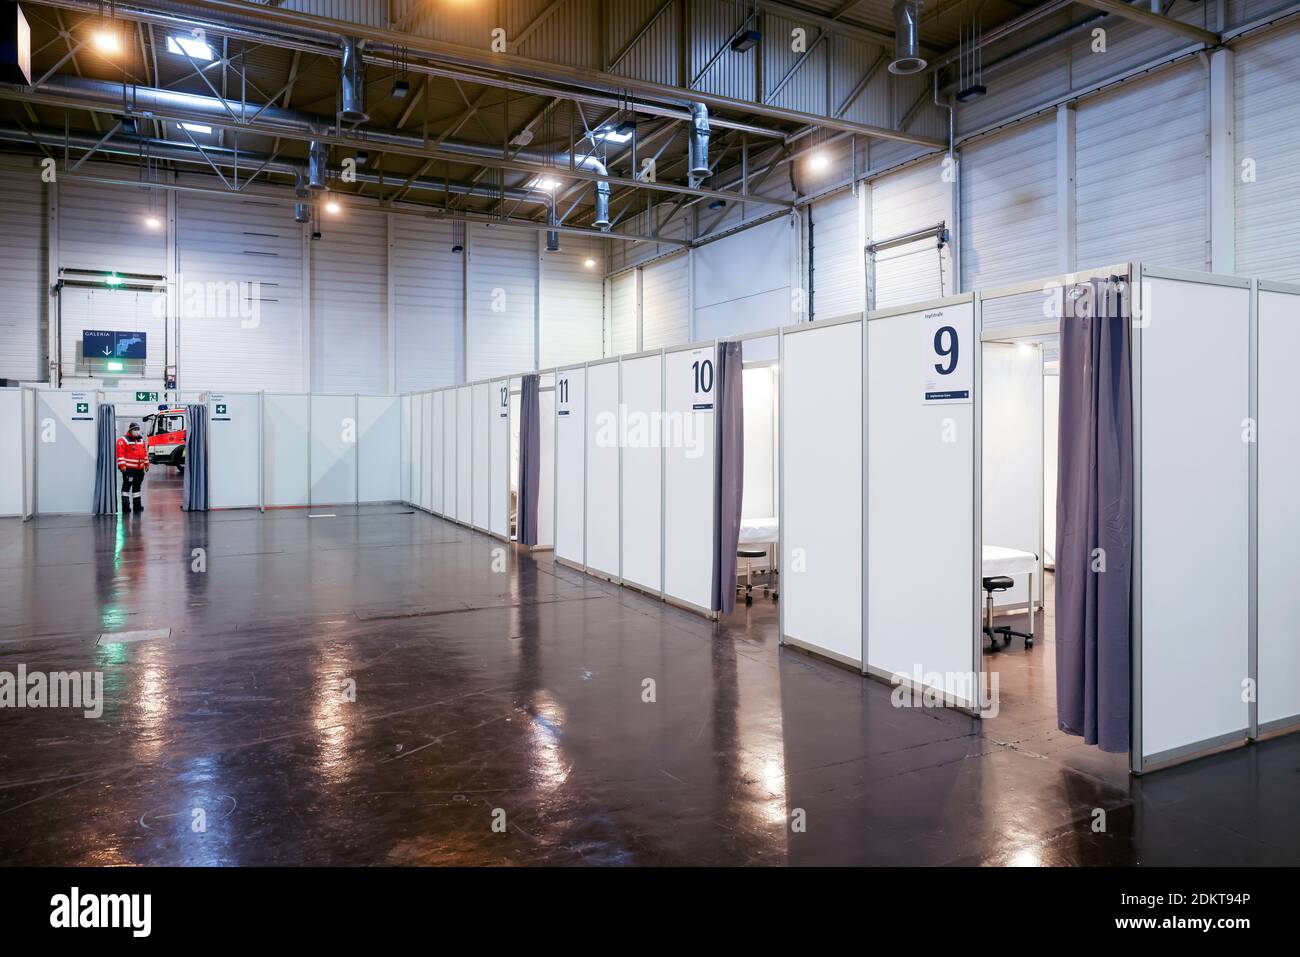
(907, 38)
(699, 141)
(353, 82)
(183, 152)
(144, 99)
(317, 172)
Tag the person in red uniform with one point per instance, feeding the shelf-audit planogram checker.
(132, 462)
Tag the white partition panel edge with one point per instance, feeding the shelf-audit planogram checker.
(923, 370)
(1193, 655)
(378, 448)
(481, 454)
(418, 438)
(464, 456)
(287, 447)
(690, 460)
(404, 463)
(546, 466)
(12, 436)
(640, 440)
(571, 466)
(433, 432)
(234, 476)
(499, 465)
(1276, 658)
(333, 449)
(426, 451)
(603, 479)
(820, 436)
(450, 468)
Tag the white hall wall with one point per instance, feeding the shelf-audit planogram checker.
(379, 303)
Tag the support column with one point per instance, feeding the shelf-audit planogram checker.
(1066, 209)
(1223, 164)
(390, 300)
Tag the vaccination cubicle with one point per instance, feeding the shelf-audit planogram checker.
(264, 450)
(900, 462)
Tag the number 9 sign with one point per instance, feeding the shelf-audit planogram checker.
(947, 373)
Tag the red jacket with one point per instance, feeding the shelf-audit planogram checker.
(132, 455)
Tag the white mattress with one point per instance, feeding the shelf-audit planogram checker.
(997, 560)
(758, 531)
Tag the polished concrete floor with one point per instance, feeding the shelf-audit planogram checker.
(371, 688)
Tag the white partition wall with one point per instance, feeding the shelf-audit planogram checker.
(499, 466)
(922, 543)
(641, 437)
(603, 479)
(1278, 513)
(689, 464)
(405, 453)
(419, 436)
(234, 476)
(546, 464)
(65, 452)
(464, 456)
(1193, 467)
(450, 449)
(333, 449)
(481, 454)
(378, 445)
(436, 466)
(570, 465)
(12, 437)
(424, 492)
(821, 488)
(1012, 457)
(286, 450)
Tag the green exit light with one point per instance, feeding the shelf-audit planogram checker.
(113, 279)
(113, 366)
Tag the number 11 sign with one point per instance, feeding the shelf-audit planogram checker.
(947, 350)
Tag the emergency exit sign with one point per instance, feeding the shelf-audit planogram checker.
(146, 397)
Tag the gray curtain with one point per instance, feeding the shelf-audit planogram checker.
(1094, 511)
(194, 494)
(530, 455)
(106, 462)
(729, 445)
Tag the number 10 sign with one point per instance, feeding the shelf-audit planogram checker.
(948, 350)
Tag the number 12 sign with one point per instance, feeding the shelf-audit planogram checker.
(948, 353)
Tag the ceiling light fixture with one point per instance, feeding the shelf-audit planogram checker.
(106, 40)
(194, 48)
(153, 222)
(819, 162)
(590, 263)
(332, 207)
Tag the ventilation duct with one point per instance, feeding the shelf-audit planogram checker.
(196, 107)
(316, 169)
(552, 235)
(354, 83)
(302, 212)
(699, 142)
(907, 38)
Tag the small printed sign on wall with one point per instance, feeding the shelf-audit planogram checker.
(946, 340)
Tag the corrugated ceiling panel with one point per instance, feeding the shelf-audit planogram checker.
(654, 55)
(222, 242)
(838, 268)
(502, 300)
(23, 271)
(912, 198)
(349, 303)
(804, 73)
(1141, 177)
(573, 302)
(666, 313)
(1268, 134)
(712, 24)
(428, 293)
(1008, 215)
(623, 314)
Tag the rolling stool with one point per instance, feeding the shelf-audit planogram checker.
(1000, 583)
(749, 554)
